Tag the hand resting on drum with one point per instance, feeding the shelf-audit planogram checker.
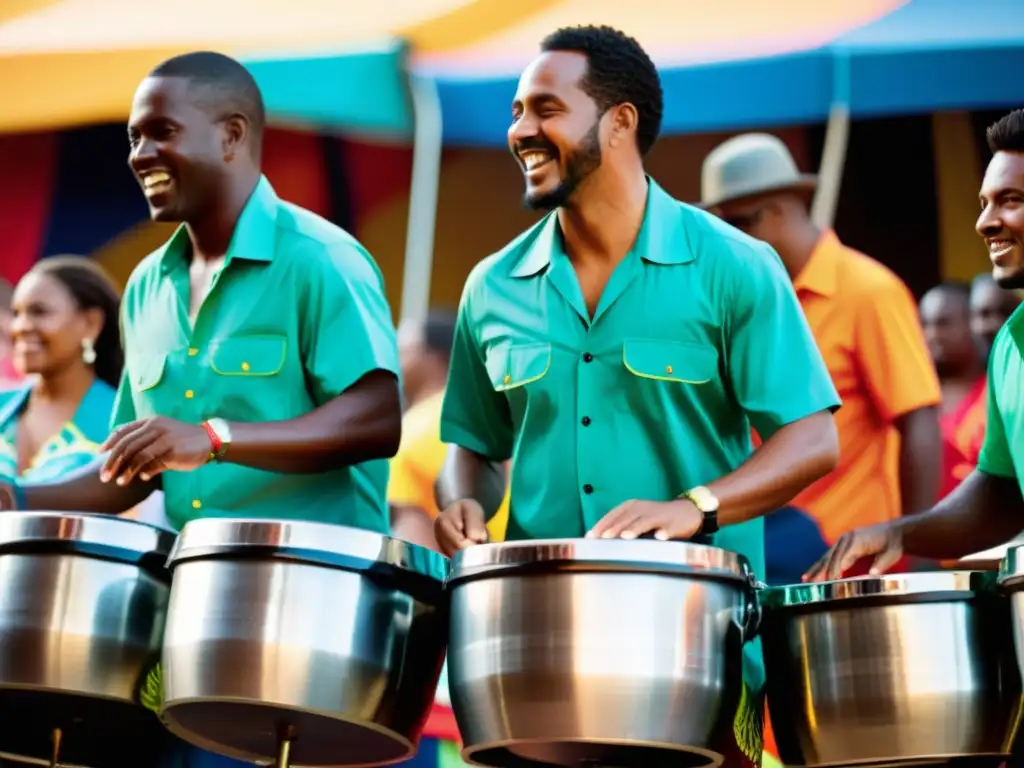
(883, 543)
(147, 447)
(677, 519)
(460, 525)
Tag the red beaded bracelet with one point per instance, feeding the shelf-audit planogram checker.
(215, 441)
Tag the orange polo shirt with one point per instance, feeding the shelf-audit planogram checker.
(866, 324)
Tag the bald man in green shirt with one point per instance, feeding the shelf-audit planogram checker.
(261, 364)
(987, 508)
(620, 351)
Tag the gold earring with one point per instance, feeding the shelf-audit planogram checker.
(88, 352)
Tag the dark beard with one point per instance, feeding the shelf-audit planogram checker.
(582, 162)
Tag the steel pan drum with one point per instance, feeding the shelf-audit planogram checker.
(895, 670)
(333, 635)
(597, 652)
(83, 599)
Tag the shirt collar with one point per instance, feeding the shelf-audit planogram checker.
(253, 239)
(661, 240)
(820, 273)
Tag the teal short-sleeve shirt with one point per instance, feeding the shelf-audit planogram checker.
(295, 317)
(1002, 453)
(697, 337)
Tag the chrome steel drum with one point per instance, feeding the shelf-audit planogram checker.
(895, 670)
(597, 652)
(83, 599)
(328, 637)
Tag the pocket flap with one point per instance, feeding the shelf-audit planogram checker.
(514, 366)
(677, 361)
(249, 356)
(146, 372)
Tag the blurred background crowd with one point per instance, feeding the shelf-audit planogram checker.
(850, 136)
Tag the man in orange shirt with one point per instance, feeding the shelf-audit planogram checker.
(946, 319)
(866, 324)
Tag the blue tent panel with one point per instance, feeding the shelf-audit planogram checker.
(931, 55)
(780, 90)
(357, 91)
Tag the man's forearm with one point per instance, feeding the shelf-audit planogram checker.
(468, 475)
(984, 511)
(363, 423)
(785, 464)
(920, 459)
(82, 491)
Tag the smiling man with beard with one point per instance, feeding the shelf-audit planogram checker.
(987, 508)
(619, 351)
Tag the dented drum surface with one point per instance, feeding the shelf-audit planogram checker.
(597, 652)
(335, 633)
(896, 670)
(83, 599)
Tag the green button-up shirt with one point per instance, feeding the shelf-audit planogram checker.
(1002, 453)
(295, 317)
(698, 335)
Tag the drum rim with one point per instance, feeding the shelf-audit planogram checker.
(607, 555)
(304, 541)
(954, 584)
(1011, 569)
(86, 533)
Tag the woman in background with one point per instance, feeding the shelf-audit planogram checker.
(65, 338)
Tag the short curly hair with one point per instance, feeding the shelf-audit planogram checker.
(1007, 133)
(618, 71)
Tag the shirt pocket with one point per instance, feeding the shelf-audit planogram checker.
(146, 372)
(513, 366)
(249, 356)
(661, 372)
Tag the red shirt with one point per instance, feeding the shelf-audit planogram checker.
(963, 432)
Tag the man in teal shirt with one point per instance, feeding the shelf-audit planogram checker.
(620, 350)
(261, 364)
(987, 508)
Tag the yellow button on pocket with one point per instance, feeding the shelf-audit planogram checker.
(192, 352)
(189, 394)
(245, 366)
(668, 369)
(508, 378)
(196, 504)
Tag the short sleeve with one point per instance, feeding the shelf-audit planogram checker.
(995, 457)
(776, 370)
(123, 410)
(346, 329)
(475, 416)
(891, 352)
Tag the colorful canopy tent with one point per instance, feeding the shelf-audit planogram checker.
(66, 63)
(738, 64)
(732, 65)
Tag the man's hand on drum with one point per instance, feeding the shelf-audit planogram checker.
(881, 542)
(147, 447)
(460, 525)
(677, 519)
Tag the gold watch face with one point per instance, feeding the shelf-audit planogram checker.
(704, 499)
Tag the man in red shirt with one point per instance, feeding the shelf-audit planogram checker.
(946, 320)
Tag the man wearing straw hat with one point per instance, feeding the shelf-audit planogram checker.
(866, 324)
(619, 351)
